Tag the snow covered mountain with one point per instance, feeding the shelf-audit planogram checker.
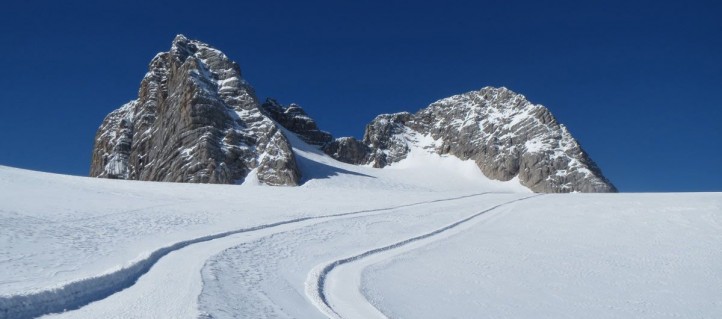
(503, 133)
(197, 120)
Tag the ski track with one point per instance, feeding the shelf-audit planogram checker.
(77, 294)
(315, 284)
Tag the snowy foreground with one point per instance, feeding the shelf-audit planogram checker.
(428, 237)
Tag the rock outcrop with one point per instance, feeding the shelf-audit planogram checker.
(195, 120)
(506, 135)
(295, 119)
(348, 150)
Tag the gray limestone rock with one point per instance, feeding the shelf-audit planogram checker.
(195, 120)
(348, 150)
(113, 144)
(295, 119)
(506, 135)
(383, 142)
(384, 136)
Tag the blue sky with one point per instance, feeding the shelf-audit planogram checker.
(638, 83)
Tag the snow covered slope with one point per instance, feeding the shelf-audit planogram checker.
(602, 256)
(422, 238)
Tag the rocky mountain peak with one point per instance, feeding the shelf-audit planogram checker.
(195, 120)
(182, 47)
(505, 134)
(179, 38)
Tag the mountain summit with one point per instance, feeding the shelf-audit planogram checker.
(197, 120)
(503, 133)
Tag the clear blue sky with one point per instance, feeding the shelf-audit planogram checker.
(638, 83)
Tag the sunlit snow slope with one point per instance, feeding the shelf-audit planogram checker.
(427, 237)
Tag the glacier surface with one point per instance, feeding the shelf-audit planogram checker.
(426, 237)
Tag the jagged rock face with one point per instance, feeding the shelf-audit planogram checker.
(383, 142)
(115, 141)
(295, 119)
(348, 150)
(384, 136)
(195, 120)
(506, 135)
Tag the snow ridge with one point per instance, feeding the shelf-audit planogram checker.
(315, 282)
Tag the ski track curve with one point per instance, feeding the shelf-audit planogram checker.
(77, 294)
(315, 283)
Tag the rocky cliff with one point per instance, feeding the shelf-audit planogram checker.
(195, 120)
(506, 135)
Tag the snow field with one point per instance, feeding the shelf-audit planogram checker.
(68, 241)
(427, 237)
(343, 299)
(565, 256)
(275, 269)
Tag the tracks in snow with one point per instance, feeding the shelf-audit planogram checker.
(317, 278)
(79, 293)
